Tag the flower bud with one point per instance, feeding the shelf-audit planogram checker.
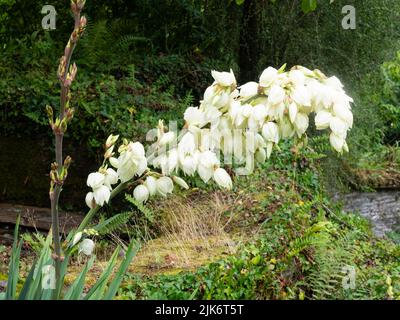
(109, 153)
(180, 182)
(50, 113)
(111, 140)
(77, 238)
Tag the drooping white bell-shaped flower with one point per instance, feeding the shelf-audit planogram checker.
(167, 138)
(164, 186)
(268, 76)
(297, 77)
(187, 145)
(261, 155)
(334, 83)
(293, 109)
(301, 123)
(322, 120)
(276, 95)
(114, 162)
(209, 94)
(111, 177)
(207, 161)
(188, 163)
(337, 142)
(86, 247)
(194, 116)
(151, 185)
(95, 180)
(338, 126)
(141, 193)
(101, 195)
(343, 112)
(221, 100)
(270, 132)
(224, 79)
(89, 199)
(286, 128)
(132, 162)
(301, 96)
(248, 90)
(222, 178)
(259, 112)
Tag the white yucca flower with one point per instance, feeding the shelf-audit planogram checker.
(301, 95)
(322, 120)
(301, 124)
(224, 79)
(276, 95)
(249, 90)
(141, 193)
(89, 199)
(245, 122)
(86, 247)
(101, 195)
(111, 177)
(268, 77)
(165, 186)
(222, 178)
(167, 138)
(95, 180)
(132, 162)
(337, 142)
(338, 126)
(270, 132)
(195, 117)
(151, 184)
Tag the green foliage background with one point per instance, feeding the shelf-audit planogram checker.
(144, 60)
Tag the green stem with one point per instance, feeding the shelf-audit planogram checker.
(89, 216)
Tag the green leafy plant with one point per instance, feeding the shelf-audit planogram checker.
(40, 283)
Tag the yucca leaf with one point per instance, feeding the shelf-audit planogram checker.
(131, 252)
(27, 284)
(35, 290)
(76, 289)
(13, 271)
(97, 291)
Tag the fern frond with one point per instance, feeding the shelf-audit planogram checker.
(113, 223)
(146, 211)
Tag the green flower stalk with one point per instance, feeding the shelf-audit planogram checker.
(59, 169)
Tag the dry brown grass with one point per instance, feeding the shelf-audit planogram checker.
(192, 233)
